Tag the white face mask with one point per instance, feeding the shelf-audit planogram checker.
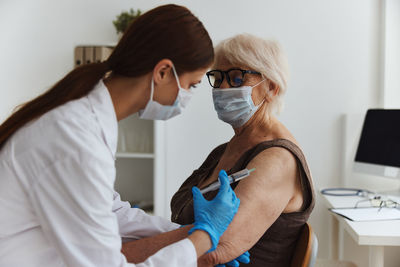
(157, 111)
(235, 105)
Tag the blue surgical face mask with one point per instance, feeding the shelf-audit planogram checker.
(235, 105)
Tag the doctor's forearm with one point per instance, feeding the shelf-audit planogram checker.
(139, 250)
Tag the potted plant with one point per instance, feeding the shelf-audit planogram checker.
(125, 19)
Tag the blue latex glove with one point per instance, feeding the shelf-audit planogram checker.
(214, 216)
(244, 258)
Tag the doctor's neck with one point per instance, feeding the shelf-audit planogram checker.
(129, 95)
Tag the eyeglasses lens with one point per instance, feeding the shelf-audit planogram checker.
(236, 78)
(215, 78)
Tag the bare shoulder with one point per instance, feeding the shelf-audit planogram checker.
(275, 162)
(275, 177)
(276, 154)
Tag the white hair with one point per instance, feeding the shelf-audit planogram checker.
(264, 56)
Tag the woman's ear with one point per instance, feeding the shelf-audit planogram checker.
(273, 90)
(162, 68)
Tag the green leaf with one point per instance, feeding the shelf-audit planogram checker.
(125, 19)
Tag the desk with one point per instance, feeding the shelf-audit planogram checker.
(376, 234)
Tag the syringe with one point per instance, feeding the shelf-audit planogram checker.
(237, 176)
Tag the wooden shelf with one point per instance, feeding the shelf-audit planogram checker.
(133, 155)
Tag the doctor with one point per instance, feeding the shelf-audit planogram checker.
(57, 202)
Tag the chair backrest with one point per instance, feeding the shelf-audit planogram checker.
(306, 250)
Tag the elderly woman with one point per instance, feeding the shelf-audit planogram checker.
(249, 78)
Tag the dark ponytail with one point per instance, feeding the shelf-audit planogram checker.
(168, 31)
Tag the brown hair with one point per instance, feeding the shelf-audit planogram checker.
(168, 31)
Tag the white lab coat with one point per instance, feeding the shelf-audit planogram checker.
(57, 202)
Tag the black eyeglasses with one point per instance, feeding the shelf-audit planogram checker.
(234, 77)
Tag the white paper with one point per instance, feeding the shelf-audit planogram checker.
(369, 214)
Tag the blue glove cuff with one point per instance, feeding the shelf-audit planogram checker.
(210, 232)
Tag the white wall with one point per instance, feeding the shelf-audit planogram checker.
(333, 53)
(37, 39)
(332, 46)
(392, 54)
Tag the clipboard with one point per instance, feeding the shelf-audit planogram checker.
(364, 214)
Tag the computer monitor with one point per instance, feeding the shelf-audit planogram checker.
(378, 151)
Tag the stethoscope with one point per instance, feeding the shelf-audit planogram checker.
(345, 192)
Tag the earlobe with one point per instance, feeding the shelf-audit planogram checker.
(271, 93)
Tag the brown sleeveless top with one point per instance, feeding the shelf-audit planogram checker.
(276, 247)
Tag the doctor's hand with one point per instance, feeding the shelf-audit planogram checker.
(214, 216)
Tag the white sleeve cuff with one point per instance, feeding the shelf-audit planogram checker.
(135, 223)
(182, 253)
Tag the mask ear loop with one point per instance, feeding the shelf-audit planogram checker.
(152, 89)
(258, 83)
(179, 84)
(267, 96)
(259, 105)
(262, 102)
(176, 77)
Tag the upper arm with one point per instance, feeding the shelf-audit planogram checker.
(263, 197)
